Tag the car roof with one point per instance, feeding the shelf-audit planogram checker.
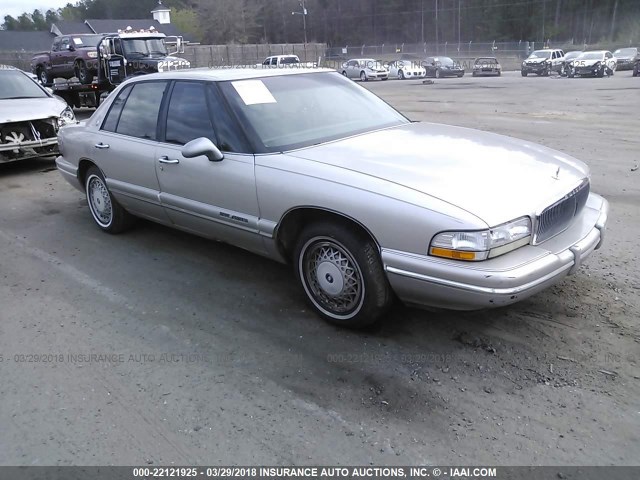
(226, 74)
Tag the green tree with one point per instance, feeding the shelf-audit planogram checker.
(10, 23)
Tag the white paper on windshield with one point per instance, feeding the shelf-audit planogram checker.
(77, 41)
(253, 92)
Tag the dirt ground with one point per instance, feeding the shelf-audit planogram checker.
(206, 354)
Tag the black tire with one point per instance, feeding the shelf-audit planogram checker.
(437, 74)
(363, 77)
(82, 73)
(401, 75)
(105, 209)
(43, 75)
(344, 72)
(546, 72)
(635, 72)
(563, 71)
(524, 73)
(460, 75)
(474, 74)
(601, 72)
(500, 73)
(332, 256)
(571, 74)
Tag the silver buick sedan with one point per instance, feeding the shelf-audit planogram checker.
(308, 168)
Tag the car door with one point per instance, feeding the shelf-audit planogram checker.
(213, 199)
(57, 57)
(124, 148)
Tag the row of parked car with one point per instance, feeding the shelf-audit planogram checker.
(366, 69)
(596, 63)
(541, 62)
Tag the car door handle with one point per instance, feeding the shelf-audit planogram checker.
(101, 145)
(165, 159)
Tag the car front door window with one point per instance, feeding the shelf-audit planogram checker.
(188, 115)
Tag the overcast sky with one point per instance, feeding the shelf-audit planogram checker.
(15, 8)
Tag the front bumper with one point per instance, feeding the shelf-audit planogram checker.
(536, 68)
(437, 282)
(376, 75)
(11, 152)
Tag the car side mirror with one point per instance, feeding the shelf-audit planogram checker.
(70, 47)
(202, 146)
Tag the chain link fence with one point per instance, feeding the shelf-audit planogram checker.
(250, 55)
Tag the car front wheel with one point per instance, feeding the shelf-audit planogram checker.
(342, 275)
(363, 77)
(106, 211)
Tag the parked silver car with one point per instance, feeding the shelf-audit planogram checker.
(30, 117)
(311, 169)
(365, 69)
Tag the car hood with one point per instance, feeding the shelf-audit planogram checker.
(23, 109)
(586, 63)
(494, 177)
(536, 60)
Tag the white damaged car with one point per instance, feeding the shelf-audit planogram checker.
(30, 117)
(593, 64)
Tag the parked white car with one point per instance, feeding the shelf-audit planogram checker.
(30, 117)
(365, 69)
(403, 69)
(593, 64)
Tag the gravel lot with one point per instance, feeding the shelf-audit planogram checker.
(211, 357)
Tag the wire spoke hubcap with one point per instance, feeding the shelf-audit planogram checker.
(333, 277)
(100, 201)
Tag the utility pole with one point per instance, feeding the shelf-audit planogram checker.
(459, 23)
(437, 40)
(422, 16)
(304, 18)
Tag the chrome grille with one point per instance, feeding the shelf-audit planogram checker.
(556, 218)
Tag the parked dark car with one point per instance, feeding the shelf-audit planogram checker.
(626, 58)
(70, 56)
(442, 67)
(486, 66)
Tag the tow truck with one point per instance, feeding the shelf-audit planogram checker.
(122, 55)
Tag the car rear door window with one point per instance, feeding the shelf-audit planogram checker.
(139, 117)
(188, 115)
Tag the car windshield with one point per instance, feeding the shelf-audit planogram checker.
(15, 84)
(486, 61)
(626, 51)
(541, 54)
(571, 55)
(444, 61)
(291, 111)
(90, 41)
(144, 47)
(591, 56)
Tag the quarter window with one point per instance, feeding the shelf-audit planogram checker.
(111, 121)
(139, 117)
(188, 116)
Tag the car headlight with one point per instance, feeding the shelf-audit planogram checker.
(92, 54)
(67, 117)
(481, 245)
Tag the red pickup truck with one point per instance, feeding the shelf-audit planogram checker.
(70, 56)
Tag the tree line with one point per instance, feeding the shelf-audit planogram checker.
(372, 22)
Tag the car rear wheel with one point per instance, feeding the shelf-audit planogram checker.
(82, 73)
(437, 73)
(401, 75)
(106, 211)
(342, 275)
